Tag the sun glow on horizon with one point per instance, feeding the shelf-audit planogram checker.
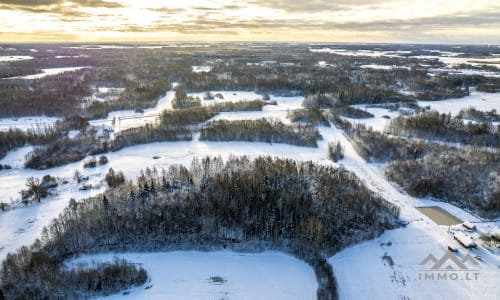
(251, 20)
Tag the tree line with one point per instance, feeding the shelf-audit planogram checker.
(434, 125)
(261, 130)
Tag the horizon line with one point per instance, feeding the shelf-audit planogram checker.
(125, 42)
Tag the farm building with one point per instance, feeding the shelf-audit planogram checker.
(469, 225)
(465, 240)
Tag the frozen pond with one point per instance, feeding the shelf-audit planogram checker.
(439, 215)
(218, 275)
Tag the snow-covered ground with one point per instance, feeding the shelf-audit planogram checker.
(369, 53)
(383, 67)
(201, 69)
(190, 274)
(381, 117)
(478, 100)
(104, 94)
(465, 72)
(71, 56)
(25, 123)
(360, 271)
(448, 58)
(125, 119)
(49, 72)
(5, 58)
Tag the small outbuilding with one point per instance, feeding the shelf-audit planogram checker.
(469, 225)
(464, 240)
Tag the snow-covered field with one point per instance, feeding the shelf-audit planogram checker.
(478, 100)
(190, 275)
(465, 72)
(369, 53)
(104, 94)
(379, 121)
(383, 67)
(201, 69)
(5, 58)
(26, 123)
(448, 58)
(361, 272)
(126, 119)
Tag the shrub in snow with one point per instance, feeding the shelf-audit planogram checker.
(103, 159)
(114, 179)
(49, 182)
(208, 96)
(311, 116)
(90, 163)
(335, 151)
(5, 167)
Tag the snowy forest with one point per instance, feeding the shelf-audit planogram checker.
(261, 130)
(325, 154)
(301, 208)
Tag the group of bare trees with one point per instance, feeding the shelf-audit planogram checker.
(468, 179)
(261, 130)
(14, 138)
(434, 125)
(313, 116)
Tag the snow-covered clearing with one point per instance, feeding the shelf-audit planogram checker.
(104, 94)
(217, 275)
(369, 53)
(448, 58)
(125, 119)
(201, 69)
(49, 72)
(381, 117)
(383, 67)
(472, 72)
(480, 101)
(6, 58)
(71, 56)
(25, 123)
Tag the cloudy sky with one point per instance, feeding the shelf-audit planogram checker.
(412, 21)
